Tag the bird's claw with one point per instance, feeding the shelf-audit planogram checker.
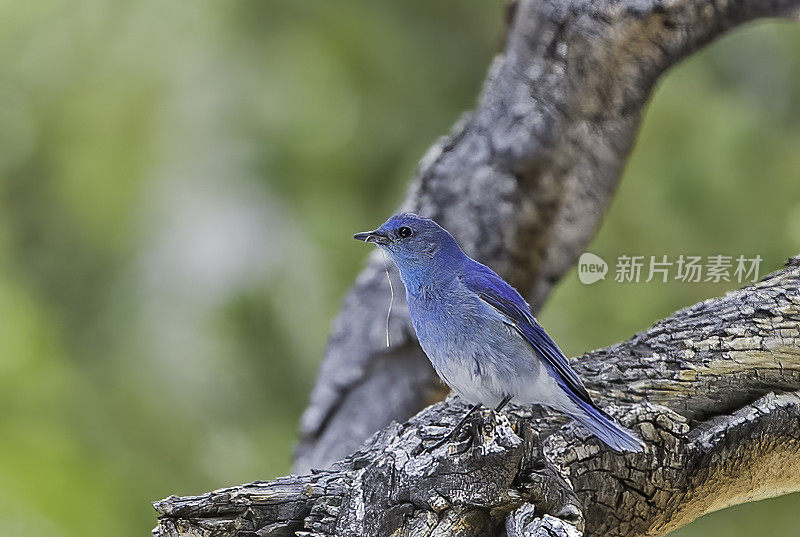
(461, 434)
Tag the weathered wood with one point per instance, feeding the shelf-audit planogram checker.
(714, 390)
(522, 182)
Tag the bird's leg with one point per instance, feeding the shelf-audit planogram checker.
(456, 429)
(503, 403)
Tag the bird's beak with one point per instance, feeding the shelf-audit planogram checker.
(378, 237)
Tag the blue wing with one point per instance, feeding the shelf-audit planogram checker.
(493, 290)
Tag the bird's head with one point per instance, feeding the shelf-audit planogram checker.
(414, 243)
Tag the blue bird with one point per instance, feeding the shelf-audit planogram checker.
(480, 334)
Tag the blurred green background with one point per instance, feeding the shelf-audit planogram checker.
(178, 187)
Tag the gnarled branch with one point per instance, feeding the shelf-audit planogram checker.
(714, 390)
(522, 182)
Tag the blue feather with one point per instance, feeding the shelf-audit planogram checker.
(491, 288)
(462, 312)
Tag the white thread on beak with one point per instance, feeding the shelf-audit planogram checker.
(391, 299)
(391, 290)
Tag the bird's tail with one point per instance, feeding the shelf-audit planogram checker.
(604, 427)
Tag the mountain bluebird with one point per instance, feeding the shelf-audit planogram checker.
(480, 334)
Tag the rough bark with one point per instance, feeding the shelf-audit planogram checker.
(714, 390)
(522, 182)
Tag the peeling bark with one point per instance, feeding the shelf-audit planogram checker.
(728, 432)
(522, 182)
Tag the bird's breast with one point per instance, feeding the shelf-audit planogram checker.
(471, 347)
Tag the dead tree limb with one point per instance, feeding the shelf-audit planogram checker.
(522, 182)
(714, 390)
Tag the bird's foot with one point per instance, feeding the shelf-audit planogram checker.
(440, 443)
(460, 433)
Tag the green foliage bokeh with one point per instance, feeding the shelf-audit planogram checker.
(178, 187)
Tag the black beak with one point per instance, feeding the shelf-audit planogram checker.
(378, 237)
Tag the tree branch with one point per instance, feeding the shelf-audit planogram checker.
(522, 182)
(714, 390)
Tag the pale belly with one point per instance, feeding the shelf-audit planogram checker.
(482, 358)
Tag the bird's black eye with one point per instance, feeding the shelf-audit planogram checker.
(404, 232)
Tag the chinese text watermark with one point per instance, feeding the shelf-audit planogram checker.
(663, 268)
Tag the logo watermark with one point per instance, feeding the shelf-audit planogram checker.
(591, 268)
(683, 268)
